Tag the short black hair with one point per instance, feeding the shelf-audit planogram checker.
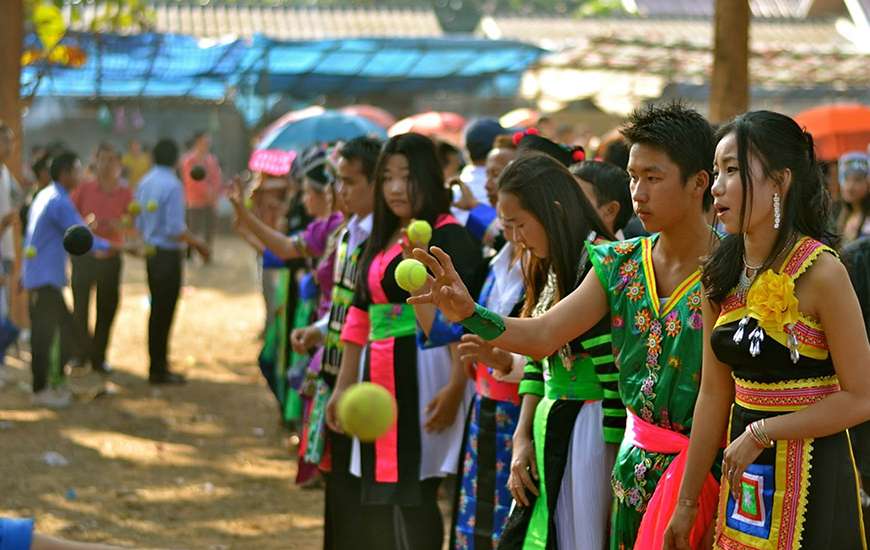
(616, 152)
(366, 150)
(445, 151)
(682, 133)
(610, 183)
(165, 152)
(42, 163)
(62, 163)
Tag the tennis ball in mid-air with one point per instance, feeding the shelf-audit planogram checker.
(249, 203)
(134, 208)
(419, 233)
(151, 206)
(410, 274)
(30, 251)
(366, 411)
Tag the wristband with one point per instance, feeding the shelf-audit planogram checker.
(484, 323)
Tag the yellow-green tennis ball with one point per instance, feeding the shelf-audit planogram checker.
(420, 233)
(134, 208)
(410, 274)
(30, 251)
(366, 411)
(151, 206)
(249, 203)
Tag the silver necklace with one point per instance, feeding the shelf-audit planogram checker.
(747, 275)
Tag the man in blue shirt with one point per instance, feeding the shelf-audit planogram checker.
(161, 224)
(44, 277)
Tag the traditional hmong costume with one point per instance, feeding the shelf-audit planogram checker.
(657, 343)
(402, 468)
(343, 521)
(483, 500)
(314, 292)
(800, 493)
(577, 424)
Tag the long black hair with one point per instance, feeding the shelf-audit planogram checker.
(426, 193)
(778, 143)
(548, 191)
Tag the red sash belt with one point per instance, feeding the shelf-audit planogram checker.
(661, 506)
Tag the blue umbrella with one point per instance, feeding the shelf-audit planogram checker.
(327, 126)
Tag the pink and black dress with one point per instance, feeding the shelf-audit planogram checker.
(403, 467)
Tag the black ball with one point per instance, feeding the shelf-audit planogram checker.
(78, 240)
(197, 173)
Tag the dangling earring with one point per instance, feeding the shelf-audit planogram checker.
(777, 211)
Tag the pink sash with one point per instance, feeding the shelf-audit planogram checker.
(655, 439)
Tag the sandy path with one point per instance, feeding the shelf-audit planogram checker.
(200, 466)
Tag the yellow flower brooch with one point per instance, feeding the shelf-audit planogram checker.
(771, 301)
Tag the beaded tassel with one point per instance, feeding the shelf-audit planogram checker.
(793, 344)
(756, 337)
(738, 335)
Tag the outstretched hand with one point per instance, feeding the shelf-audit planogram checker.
(446, 290)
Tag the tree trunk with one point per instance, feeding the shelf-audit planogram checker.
(11, 39)
(729, 86)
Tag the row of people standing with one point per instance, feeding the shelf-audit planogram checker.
(770, 314)
(609, 333)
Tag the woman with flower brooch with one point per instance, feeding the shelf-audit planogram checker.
(650, 289)
(785, 354)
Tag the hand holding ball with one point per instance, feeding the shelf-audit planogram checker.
(419, 233)
(366, 411)
(78, 240)
(410, 274)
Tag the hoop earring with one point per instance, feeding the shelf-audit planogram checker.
(777, 211)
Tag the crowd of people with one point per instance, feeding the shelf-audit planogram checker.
(663, 346)
(657, 348)
(136, 202)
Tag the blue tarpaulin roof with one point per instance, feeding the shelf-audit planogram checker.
(170, 65)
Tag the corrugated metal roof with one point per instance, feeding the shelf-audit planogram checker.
(762, 9)
(783, 34)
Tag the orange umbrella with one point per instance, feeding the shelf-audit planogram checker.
(837, 128)
(375, 114)
(442, 125)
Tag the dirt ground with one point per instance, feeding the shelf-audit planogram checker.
(201, 466)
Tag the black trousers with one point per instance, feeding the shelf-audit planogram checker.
(164, 282)
(104, 274)
(52, 335)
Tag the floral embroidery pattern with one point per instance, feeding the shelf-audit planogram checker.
(642, 320)
(628, 269)
(617, 321)
(694, 301)
(624, 247)
(635, 291)
(673, 324)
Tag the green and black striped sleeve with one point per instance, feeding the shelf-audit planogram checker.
(601, 349)
(533, 378)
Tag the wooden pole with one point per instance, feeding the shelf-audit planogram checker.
(729, 86)
(11, 40)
